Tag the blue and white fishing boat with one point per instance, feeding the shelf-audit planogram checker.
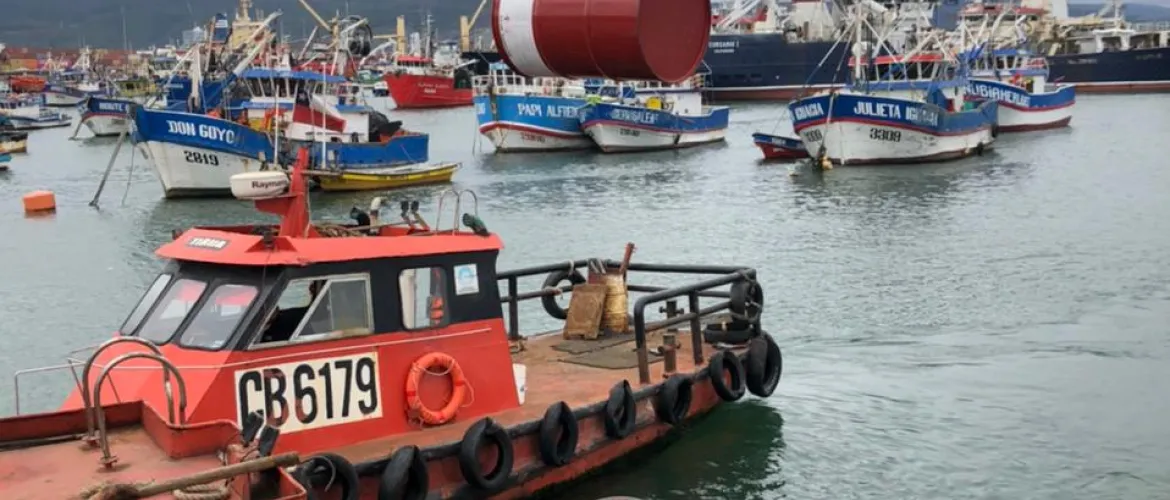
(71, 87)
(28, 112)
(896, 108)
(106, 116)
(518, 113)
(1018, 81)
(252, 118)
(658, 116)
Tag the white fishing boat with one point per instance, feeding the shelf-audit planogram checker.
(517, 113)
(896, 108)
(657, 116)
(1005, 72)
(1018, 81)
(27, 112)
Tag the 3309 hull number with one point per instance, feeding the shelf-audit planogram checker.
(313, 393)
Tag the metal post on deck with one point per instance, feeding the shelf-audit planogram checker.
(513, 309)
(696, 328)
(669, 340)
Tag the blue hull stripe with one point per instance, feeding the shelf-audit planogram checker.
(890, 112)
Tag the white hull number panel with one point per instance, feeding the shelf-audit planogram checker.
(311, 394)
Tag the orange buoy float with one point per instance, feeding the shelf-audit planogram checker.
(661, 40)
(39, 201)
(435, 363)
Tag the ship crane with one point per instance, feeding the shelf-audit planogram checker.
(465, 25)
(349, 36)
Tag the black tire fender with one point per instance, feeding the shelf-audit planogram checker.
(673, 401)
(329, 465)
(554, 280)
(486, 431)
(621, 411)
(764, 366)
(558, 435)
(727, 364)
(405, 476)
(747, 300)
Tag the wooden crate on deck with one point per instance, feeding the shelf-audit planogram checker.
(585, 310)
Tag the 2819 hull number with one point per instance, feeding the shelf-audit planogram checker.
(313, 393)
(200, 158)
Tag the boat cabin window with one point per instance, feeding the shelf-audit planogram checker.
(171, 310)
(320, 307)
(215, 322)
(148, 299)
(424, 297)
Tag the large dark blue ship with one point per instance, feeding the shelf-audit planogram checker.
(1099, 53)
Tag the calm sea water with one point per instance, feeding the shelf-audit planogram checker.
(991, 328)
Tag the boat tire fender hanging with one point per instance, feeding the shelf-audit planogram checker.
(727, 364)
(486, 431)
(747, 300)
(673, 401)
(764, 366)
(328, 465)
(554, 281)
(621, 411)
(558, 435)
(440, 363)
(405, 477)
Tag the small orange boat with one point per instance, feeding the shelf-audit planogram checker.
(379, 353)
(28, 84)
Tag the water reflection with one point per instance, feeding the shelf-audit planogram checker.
(736, 452)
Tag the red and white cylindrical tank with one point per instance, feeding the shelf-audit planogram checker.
(619, 39)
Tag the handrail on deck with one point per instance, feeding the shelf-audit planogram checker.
(723, 276)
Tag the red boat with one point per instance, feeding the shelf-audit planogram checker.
(418, 82)
(26, 83)
(381, 349)
(778, 147)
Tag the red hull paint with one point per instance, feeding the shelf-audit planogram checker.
(777, 153)
(425, 91)
(1040, 126)
(1122, 88)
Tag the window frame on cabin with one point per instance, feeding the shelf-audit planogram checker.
(446, 296)
(296, 338)
(206, 298)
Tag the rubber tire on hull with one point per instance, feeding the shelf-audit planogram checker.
(747, 301)
(721, 336)
(558, 435)
(621, 411)
(724, 362)
(405, 477)
(344, 473)
(554, 281)
(764, 366)
(673, 401)
(488, 431)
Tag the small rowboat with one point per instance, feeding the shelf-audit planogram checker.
(4, 159)
(385, 178)
(778, 147)
(14, 142)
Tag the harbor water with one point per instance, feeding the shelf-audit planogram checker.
(991, 328)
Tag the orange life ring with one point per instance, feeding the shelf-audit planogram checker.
(440, 362)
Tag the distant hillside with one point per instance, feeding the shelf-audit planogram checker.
(70, 23)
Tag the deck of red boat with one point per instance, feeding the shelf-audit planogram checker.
(67, 469)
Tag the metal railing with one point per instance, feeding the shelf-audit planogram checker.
(720, 276)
